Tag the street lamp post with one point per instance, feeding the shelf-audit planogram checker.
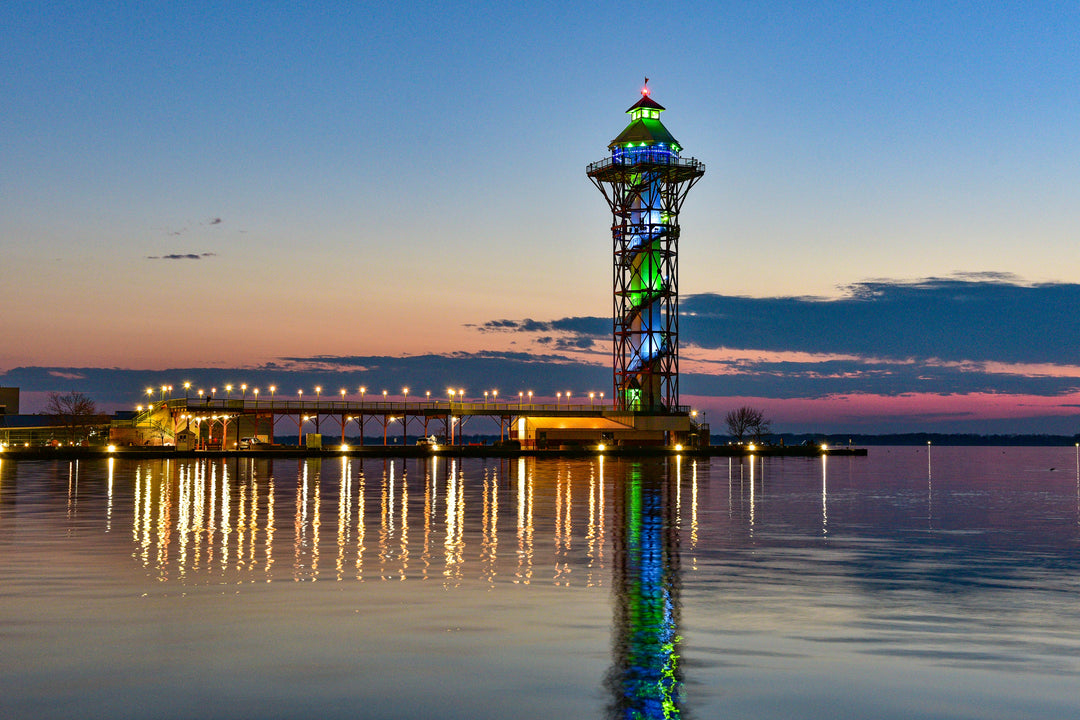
(342, 416)
(449, 415)
(225, 425)
(405, 416)
(361, 419)
(187, 390)
(318, 394)
(428, 394)
(242, 415)
(461, 417)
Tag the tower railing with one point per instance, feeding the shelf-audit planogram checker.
(654, 158)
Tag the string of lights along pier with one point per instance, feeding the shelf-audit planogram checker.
(645, 182)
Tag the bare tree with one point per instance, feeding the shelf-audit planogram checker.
(745, 421)
(73, 411)
(761, 427)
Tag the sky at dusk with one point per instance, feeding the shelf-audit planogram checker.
(394, 194)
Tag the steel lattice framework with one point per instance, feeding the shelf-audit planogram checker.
(645, 183)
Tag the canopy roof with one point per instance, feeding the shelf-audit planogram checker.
(646, 102)
(645, 127)
(644, 130)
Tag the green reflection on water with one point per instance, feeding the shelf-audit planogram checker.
(645, 679)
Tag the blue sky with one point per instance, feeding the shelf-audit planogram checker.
(379, 180)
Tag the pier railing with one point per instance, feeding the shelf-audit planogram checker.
(386, 407)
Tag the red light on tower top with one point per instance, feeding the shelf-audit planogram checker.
(645, 88)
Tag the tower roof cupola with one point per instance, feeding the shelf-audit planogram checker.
(645, 128)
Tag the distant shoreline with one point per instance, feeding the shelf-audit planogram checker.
(945, 439)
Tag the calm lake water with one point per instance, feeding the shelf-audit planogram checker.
(899, 585)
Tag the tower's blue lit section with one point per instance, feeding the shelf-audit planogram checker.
(645, 181)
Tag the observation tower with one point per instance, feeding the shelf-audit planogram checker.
(645, 181)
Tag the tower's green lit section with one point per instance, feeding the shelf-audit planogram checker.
(645, 182)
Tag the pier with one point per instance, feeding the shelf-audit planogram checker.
(207, 423)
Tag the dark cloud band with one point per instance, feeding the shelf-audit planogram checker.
(181, 256)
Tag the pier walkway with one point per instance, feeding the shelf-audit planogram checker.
(222, 422)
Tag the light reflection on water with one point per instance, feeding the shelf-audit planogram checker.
(917, 582)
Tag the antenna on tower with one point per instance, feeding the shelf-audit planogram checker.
(645, 90)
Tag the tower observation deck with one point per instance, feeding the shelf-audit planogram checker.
(645, 181)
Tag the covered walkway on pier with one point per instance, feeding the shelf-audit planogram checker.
(221, 423)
